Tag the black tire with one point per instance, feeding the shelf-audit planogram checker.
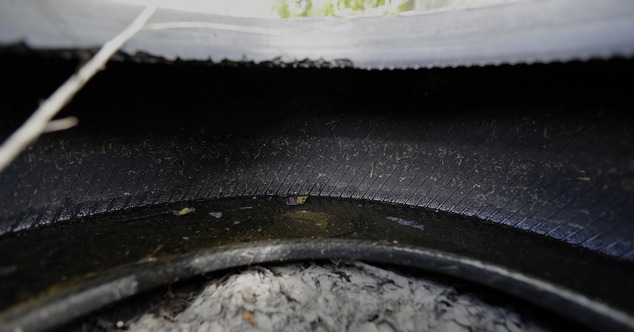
(543, 148)
(546, 149)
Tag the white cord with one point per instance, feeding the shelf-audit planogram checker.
(40, 121)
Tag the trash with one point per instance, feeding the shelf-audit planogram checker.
(183, 211)
(216, 215)
(296, 200)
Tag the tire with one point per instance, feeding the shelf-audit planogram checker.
(540, 149)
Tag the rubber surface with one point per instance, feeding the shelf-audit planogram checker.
(544, 148)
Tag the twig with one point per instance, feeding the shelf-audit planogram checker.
(61, 124)
(40, 121)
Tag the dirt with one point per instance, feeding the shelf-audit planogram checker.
(319, 296)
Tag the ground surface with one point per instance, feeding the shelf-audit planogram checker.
(323, 296)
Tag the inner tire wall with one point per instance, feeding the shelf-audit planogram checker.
(545, 148)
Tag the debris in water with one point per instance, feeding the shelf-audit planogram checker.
(216, 215)
(296, 200)
(246, 207)
(406, 223)
(183, 211)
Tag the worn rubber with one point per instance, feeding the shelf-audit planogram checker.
(544, 148)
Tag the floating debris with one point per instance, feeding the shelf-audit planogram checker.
(216, 215)
(246, 207)
(296, 200)
(406, 223)
(183, 211)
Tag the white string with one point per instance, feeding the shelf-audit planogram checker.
(40, 121)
